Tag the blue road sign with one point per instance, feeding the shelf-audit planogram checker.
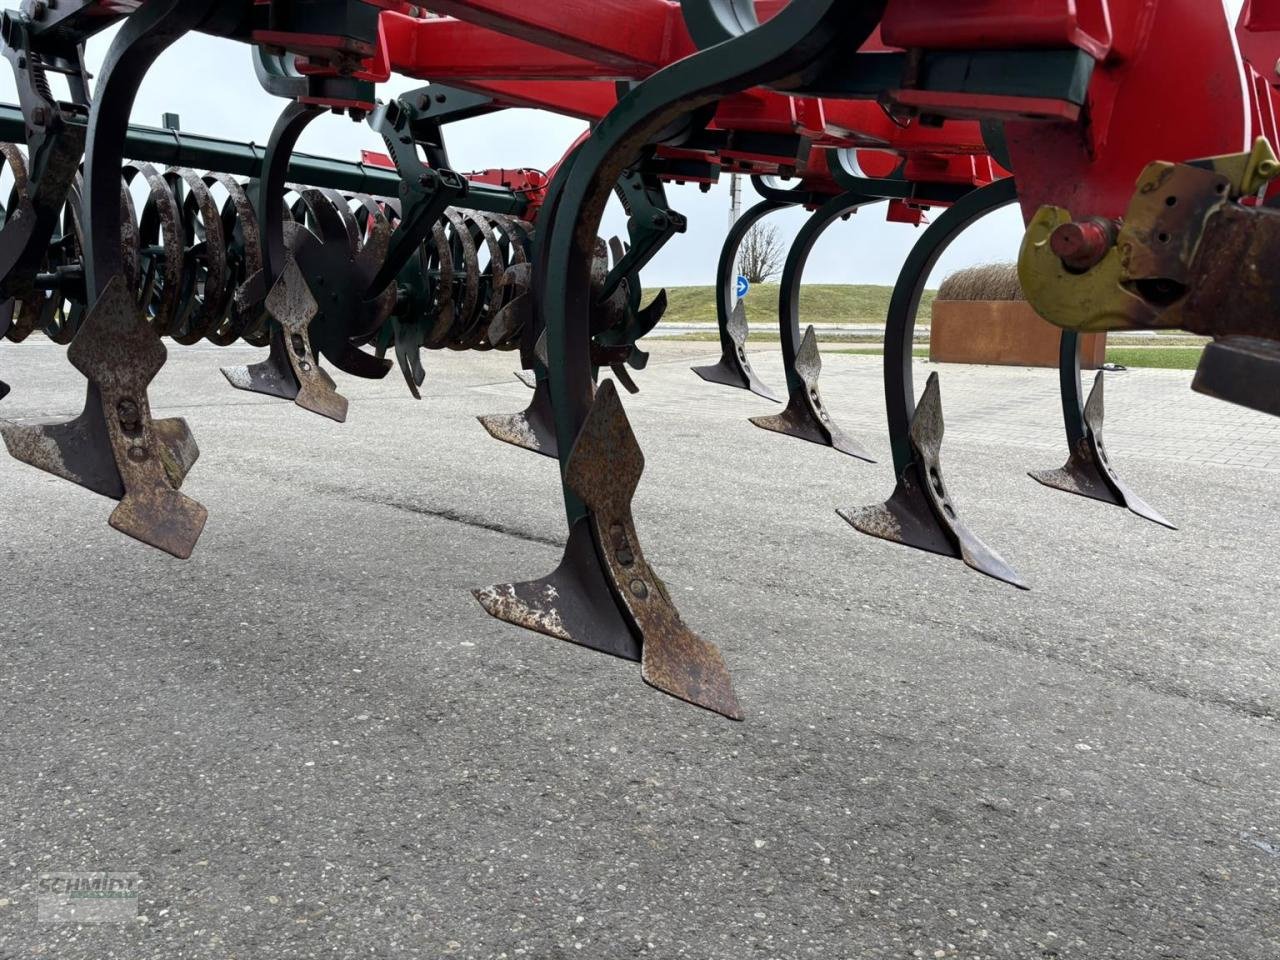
(744, 286)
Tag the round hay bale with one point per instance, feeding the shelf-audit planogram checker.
(992, 281)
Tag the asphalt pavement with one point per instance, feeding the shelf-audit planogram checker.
(310, 741)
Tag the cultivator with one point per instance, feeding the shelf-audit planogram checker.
(112, 242)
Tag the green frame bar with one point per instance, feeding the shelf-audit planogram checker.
(180, 149)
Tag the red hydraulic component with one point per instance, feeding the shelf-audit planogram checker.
(529, 183)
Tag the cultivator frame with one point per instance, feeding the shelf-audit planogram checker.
(925, 104)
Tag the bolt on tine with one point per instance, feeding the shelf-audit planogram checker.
(604, 595)
(115, 447)
(599, 455)
(920, 513)
(1088, 471)
(733, 368)
(806, 417)
(291, 370)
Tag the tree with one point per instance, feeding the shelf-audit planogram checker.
(762, 253)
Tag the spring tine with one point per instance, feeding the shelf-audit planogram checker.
(805, 416)
(920, 512)
(115, 446)
(733, 368)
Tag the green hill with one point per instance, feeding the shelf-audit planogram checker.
(819, 303)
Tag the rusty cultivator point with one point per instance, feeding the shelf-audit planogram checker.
(118, 241)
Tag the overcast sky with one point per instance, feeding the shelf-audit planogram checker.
(211, 84)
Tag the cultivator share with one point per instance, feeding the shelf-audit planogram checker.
(1135, 135)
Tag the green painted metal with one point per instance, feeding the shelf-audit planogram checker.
(182, 149)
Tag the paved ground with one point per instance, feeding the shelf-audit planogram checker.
(311, 742)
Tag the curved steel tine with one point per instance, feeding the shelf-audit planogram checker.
(621, 374)
(806, 416)
(115, 447)
(920, 512)
(599, 457)
(734, 369)
(603, 561)
(1088, 471)
(292, 370)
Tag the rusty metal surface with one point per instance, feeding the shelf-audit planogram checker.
(462, 248)
(573, 604)
(806, 416)
(438, 267)
(1233, 286)
(293, 307)
(246, 317)
(475, 336)
(532, 429)
(207, 292)
(291, 370)
(604, 469)
(1088, 471)
(920, 512)
(120, 355)
(26, 299)
(604, 595)
(160, 293)
(517, 310)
